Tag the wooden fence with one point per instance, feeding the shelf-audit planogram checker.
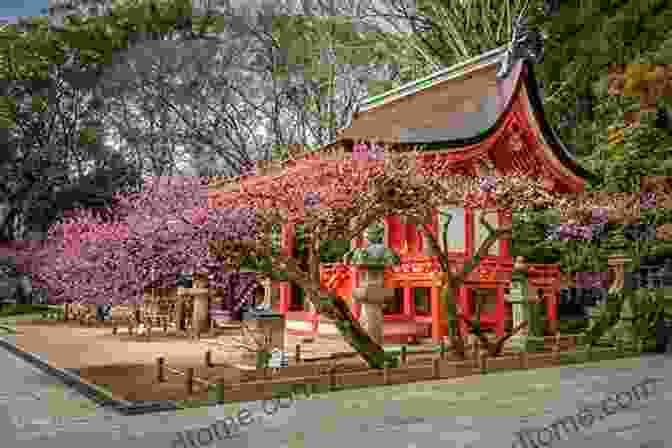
(265, 383)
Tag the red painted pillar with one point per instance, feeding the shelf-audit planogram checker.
(469, 231)
(551, 310)
(436, 315)
(463, 301)
(409, 303)
(500, 312)
(388, 233)
(410, 240)
(435, 226)
(504, 220)
(287, 246)
(403, 234)
(355, 308)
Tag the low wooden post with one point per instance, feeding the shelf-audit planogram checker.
(386, 374)
(189, 380)
(477, 349)
(220, 392)
(556, 348)
(208, 358)
(66, 312)
(332, 376)
(436, 374)
(159, 370)
(484, 362)
(403, 354)
(442, 349)
(317, 372)
(165, 325)
(114, 330)
(523, 359)
(149, 331)
(297, 353)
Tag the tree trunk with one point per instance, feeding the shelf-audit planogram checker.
(372, 321)
(337, 309)
(495, 348)
(179, 315)
(200, 318)
(457, 344)
(353, 333)
(200, 322)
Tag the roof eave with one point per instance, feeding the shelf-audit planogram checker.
(453, 72)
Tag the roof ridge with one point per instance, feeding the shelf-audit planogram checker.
(454, 71)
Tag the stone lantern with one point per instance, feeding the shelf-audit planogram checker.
(371, 294)
(268, 294)
(524, 308)
(200, 295)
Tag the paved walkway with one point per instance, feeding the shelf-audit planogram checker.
(480, 412)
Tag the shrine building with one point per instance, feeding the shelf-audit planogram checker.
(485, 112)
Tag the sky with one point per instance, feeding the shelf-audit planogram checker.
(22, 8)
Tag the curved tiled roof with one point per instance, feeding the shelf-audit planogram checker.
(490, 102)
(455, 117)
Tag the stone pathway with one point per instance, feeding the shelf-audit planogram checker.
(29, 397)
(476, 412)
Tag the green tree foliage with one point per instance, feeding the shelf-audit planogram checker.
(436, 33)
(53, 157)
(581, 41)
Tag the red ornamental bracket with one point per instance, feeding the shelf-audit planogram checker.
(336, 280)
(488, 276)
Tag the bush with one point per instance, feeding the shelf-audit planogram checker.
(16, 309)
(573, 326)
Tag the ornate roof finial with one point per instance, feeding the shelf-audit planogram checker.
(526, 43)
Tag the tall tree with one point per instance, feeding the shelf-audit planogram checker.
(54, 153)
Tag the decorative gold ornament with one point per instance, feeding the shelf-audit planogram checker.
(439, 279)
(488, 276)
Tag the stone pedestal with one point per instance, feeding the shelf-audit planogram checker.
(268, 293)
(180, 321)
(201, 308)
(269, 326)
(516, 298)
(525, 308)
(623, 328)
(371, 295)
